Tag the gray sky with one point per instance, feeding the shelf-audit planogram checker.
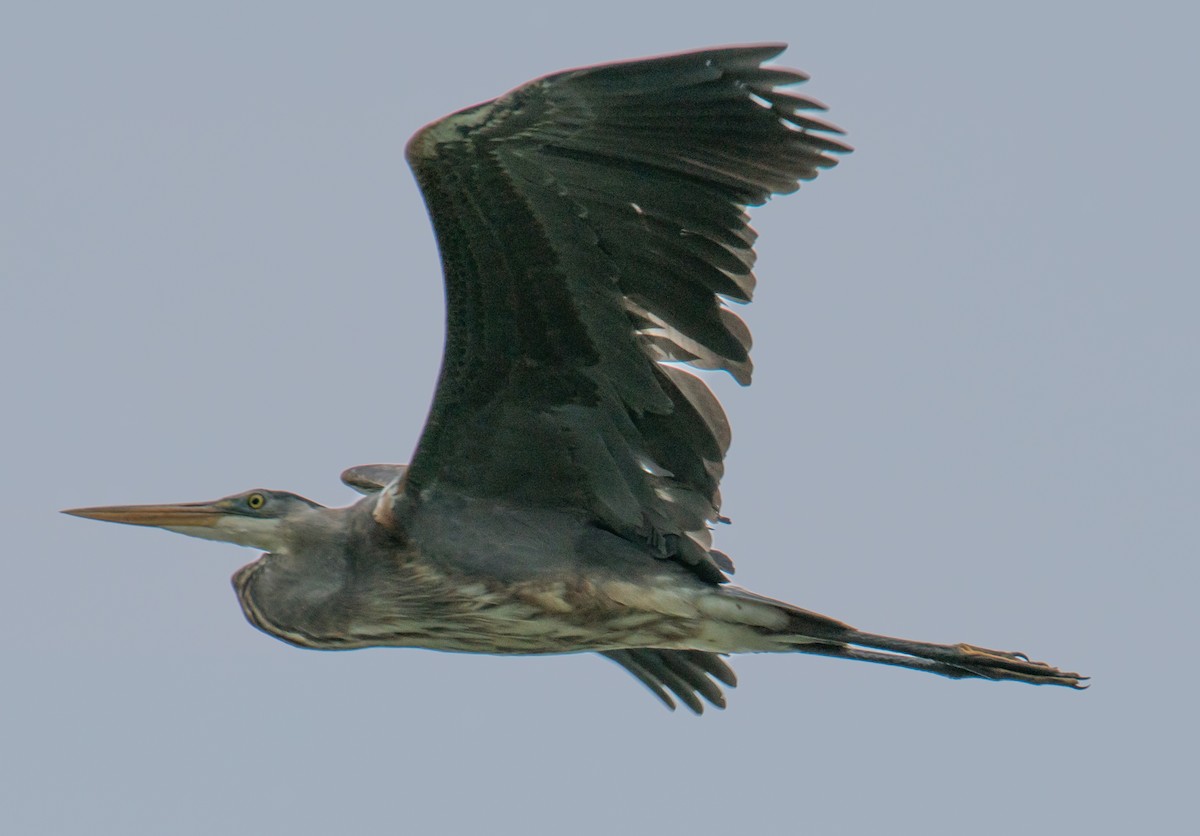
(974, 418)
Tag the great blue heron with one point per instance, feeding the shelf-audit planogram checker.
(591, 224)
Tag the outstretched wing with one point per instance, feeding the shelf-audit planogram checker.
(592, 228)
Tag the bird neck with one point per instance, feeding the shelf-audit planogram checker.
(304, 592)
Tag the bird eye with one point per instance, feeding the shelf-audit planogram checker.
(256, 501)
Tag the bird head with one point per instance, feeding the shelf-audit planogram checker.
(259, 518)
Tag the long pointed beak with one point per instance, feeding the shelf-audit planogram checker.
(189, 514)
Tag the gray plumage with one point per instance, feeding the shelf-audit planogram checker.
(593, 231)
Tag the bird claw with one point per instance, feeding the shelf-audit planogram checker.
(1010, 664)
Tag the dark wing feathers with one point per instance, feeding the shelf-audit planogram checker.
(688, 674)
(592, 227)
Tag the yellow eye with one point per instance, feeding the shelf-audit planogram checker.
(256, 501)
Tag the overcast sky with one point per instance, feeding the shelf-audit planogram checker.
(974, 418)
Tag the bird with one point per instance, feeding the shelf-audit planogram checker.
(563, 494)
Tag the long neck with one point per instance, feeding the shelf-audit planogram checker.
(303, 593)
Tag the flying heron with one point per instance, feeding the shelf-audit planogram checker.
(592, 227)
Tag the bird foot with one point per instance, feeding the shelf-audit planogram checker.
(1012, 664)
(961, 661)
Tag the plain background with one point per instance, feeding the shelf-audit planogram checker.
(974, 419)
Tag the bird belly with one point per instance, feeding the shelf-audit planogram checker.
(569, 616)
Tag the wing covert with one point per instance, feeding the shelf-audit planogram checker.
(592, 226)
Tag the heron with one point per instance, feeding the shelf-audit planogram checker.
(562, 496)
